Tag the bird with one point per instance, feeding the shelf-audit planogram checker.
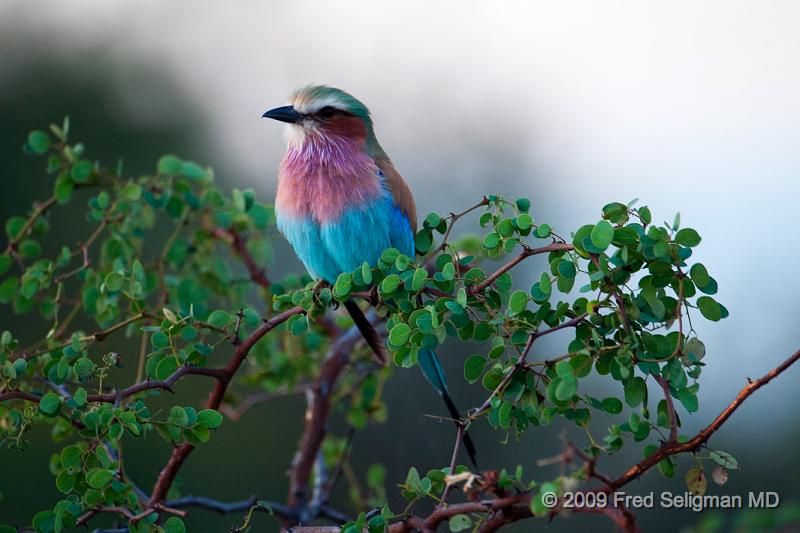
(341, 202)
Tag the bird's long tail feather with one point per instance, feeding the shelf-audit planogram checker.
(368, 331)
(432, 369)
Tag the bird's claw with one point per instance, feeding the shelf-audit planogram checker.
(375, 297)
(315, 290)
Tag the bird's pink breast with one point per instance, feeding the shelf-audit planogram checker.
(323, 177)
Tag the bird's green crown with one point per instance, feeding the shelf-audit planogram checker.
(313, 99)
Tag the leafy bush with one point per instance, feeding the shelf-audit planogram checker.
(173, 261)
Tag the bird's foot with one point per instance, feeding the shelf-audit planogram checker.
(375, 297)
(316, 289)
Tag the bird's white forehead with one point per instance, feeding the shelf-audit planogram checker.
(302, 103)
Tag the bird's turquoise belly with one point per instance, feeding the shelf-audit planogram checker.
(360, 234)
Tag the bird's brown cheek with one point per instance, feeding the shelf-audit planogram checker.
(346, 126)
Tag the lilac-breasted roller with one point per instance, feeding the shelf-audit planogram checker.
(341, 202)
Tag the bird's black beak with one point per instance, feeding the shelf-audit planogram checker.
(284, 114)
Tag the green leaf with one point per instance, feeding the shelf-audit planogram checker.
(709, 308)
(432, 220)
(635, 391)
(219, 318)
(688, 398)
(666, 467)
(565, 390)
(50, 404)
(687, 237)
(523, 204)
(412, 479)
(366, 273)
(166, 367)
(174, 525)
(524, 222)
(169, 165)
(298, 325)
(80, 397)
(178, 415)
(132, 192)
(518, 302)
(724, 459)
(81, 171)
(399, 334)
(459, 522)
(473, 367)
(192, 170)
(44, 522)
(390, 283)
(504, 415)
(209, 418)
(38, 142)
(343, 286)
(545, 284)
(419, 279)
(71, 457)
(491, 240)
(699, 275)
(564, 370)
(97, 478)
(543, 231)
(611, 406)
(602, 234)
(449, 271)
(114, 281)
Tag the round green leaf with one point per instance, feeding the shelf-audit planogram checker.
(50, 404)
(709, 308)
(473, 367)
(38, 141)
(97, 478)
(219, 318)
(209, 418)
(399, 334)
(602, 234)
(81, 171)
(611, 406)
(518, 302)
(687, 237)
(174, 525)
(390, 283)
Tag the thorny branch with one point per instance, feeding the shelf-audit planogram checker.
(505, 510)
(498, 511)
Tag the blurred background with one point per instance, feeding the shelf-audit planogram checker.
(688, 106)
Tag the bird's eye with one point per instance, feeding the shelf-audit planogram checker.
(327, 112)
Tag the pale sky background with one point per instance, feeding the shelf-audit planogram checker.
(689, 106)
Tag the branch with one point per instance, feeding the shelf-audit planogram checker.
(37, 212)
(510, 509)
(456, 447)
(215, 397)
(217, 506)
(112, 397)
(673, 417)
(316, 422)
(237, 412)
(698, 440)
(521, 361)
(94, 337)
(453, 218)
(526, 253)
(239, 245)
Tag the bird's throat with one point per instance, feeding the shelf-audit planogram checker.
(323, 176)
